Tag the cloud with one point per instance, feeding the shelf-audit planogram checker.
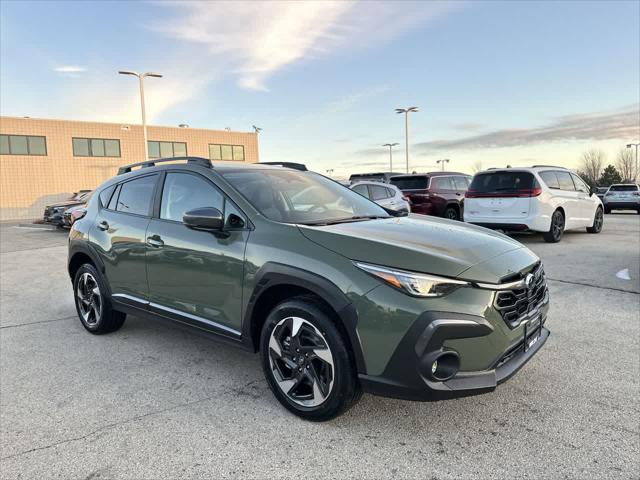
(614, 125)
(70, 69)
(257, 39)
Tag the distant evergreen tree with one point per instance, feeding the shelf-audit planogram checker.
(609, 176)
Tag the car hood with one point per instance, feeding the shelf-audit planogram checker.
(426, 244)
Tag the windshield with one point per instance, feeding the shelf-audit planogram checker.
(301, 197)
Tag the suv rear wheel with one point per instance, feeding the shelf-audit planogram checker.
(554, 234)
(452, 213)
(93, 307)
(306, 361)
(598, 221)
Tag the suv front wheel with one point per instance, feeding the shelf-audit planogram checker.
(306, 361)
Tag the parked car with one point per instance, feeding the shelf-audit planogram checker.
(540, 199)
(622, 196)
(383, 177)
(72, 214)
(600, 191)
(440, 194)
(387, 196)
(339, 297)
(54, 213)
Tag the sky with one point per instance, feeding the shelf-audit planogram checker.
(495, 82)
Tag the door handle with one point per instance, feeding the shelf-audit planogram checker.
(103, 225)
(155, 241)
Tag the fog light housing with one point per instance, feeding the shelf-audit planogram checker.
(441, 365)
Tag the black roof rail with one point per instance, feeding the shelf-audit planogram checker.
(548, 166)
(203, 162)
(296, 166)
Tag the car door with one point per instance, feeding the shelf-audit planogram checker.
(442, 190)
(381, 195)
(196, 276)
(568, 197)
(586, 203)
(119, 237)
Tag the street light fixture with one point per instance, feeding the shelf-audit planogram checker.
(390, 145)
(443, 161)
(406, 112)
(329, 171)
(256, 129)
(141, 77)
(629, 145)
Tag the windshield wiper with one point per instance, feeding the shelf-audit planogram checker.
(357, 218)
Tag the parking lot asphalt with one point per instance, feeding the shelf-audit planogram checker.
(155, 401)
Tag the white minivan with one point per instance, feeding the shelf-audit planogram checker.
(541, 199)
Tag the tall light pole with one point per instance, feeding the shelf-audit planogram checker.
(390, 145)
(443, 161)
(637, 172)
(141, 77)
(406, 129)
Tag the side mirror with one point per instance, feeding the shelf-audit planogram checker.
(593, 190)
(208, 219)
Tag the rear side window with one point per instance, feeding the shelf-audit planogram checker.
(550, 179)
(362, 190)
(183, 192)
(105, 195)
(502, 182)
(564, 179)
(378, 193)
(623, 188)
(442, 183)
(419, 182)
(460, 183)
(136, 195)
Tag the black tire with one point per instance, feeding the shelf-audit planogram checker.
(452, 213)
(554, 235)
(94, 309)
(607, 209)
(336, 380)
(598, 221)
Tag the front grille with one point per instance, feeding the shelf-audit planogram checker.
(519, 304)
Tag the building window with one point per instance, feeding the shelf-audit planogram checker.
(95, 147)
(22, 145)
(226, 152)
(166, 149)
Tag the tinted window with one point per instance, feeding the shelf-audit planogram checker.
(37, 146)
(4, 144)
(105, 195)
(112, 148)
(22, 145)
(80, 147)
(378, 193)
(18, 144)
(550, 179)
(362, 190)
(183, 192)
(136, 195)
(460, 183)
(502, 182)
(442, 183)
(114, 199)
(227, 152)
(580, 185)
(97, 147)
(623, 188)
(564, 179)
(391, 192)
(419, 182)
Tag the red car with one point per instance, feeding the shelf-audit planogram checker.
(436, 193)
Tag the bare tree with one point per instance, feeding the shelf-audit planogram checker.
(476, 166)
(591, 164)
(625, 164)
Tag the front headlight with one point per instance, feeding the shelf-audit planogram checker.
(415, 284)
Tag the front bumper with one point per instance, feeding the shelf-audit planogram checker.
(407, 374)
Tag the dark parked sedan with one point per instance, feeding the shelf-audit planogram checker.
(54, 213)
(438, 193)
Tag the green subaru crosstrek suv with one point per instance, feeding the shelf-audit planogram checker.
(337, 294)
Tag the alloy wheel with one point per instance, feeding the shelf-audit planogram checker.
(301, 361)
(89, 299)
(451, 214)
(597, 223)
(558, 225)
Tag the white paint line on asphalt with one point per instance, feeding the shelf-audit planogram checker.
(624, 274)
(42, 229)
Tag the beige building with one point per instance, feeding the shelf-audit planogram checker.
(43, 161)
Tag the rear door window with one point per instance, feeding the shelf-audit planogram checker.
(442, 183)
(550, 179)
(502, 182)
(362, 190)
(418, 182)
(378, 192)
(136, 195)
(564, 179)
